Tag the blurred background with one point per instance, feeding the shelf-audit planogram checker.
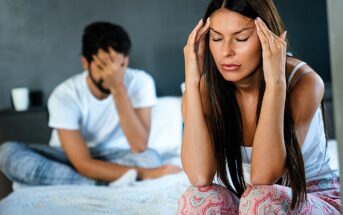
(40, 40)
(40, 44)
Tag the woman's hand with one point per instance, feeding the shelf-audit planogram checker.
(273, 54)
(194, 52)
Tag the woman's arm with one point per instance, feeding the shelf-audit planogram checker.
(306, 96)
(269, 151)
(197, 153)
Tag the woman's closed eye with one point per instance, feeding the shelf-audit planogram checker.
(216, 39)
(242, 39)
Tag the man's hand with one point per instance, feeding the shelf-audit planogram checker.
(112, 66)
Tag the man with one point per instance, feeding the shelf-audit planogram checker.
(101, 121)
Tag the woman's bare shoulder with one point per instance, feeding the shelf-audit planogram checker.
(306, 85)
(292, 62)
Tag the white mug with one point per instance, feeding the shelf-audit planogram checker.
(183, 87)
(20, 98)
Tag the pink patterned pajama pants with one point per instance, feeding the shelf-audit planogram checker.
(323, 197)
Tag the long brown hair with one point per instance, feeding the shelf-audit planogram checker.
(224, 120)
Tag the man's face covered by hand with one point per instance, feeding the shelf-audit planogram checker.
(107, 70)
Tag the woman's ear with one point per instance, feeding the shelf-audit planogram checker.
(84, 63)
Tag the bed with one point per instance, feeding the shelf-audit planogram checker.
(156, 196)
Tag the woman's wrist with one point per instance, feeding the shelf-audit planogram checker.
(191, 84)
(276, 86)
(276, 90)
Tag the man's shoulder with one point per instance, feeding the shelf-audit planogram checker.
(136, 76)
(137, 73)
(70, 86)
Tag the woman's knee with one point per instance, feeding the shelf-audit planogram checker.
(213, 199)
(264, 198)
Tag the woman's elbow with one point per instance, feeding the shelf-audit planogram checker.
(258, 179)
(200, 180)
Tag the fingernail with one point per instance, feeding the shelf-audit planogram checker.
(259, 19)
(200, 21)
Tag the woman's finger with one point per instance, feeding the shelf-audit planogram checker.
(283, 36)
(263, 39)
(266, 32)
(203, 30)
(280, 41)
(192, 36)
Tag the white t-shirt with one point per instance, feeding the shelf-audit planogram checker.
(72, 106)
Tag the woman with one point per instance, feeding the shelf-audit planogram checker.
(252, 116)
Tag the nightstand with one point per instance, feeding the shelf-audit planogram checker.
(25, 126)
(29, 126)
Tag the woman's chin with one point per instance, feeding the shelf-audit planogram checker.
(231, 77)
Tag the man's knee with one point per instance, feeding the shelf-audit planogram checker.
(150, 152)
(8, 148)
(213, 199)
(148, 158)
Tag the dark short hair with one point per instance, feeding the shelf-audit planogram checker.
(103, 35)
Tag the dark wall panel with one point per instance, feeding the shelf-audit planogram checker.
(306, 23)
(40, 40)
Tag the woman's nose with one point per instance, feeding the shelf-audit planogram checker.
(228, 49)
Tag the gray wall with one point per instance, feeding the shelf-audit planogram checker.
(335, 8)
(306, 23)
(40, 40)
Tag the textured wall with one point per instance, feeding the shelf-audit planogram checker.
(40, 40)
(335, 7)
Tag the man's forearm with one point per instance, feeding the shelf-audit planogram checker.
(102, 170)
(134, 129)
(106, 171)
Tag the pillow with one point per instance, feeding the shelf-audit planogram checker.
(166, 126)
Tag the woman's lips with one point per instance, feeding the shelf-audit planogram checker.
(230, 67)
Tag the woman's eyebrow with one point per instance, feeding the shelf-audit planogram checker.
(237, 32)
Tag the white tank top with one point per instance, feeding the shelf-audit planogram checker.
(314, 151)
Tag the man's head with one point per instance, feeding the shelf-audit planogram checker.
(102, 35)
(99, 37)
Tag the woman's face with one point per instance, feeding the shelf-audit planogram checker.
(234, 44)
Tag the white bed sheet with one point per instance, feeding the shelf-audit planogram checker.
(157, 196)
